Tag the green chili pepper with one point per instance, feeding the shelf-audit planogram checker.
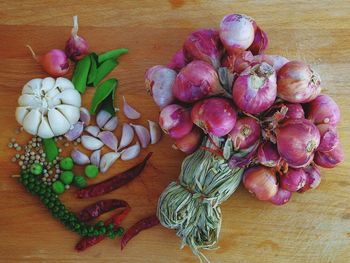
(50, 149)
(104, 69)
(112, 54)
(104, 96)
(80, 74)
(93, 69)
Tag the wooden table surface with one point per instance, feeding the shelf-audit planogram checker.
(313, 227)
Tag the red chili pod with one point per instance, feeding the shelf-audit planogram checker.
(100, 207)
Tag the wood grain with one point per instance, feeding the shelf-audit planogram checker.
(313, 227)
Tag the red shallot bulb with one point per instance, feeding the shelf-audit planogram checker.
(295, 111)
(236, 32)
(243, 61)
(330, 159)
(254, 91)
(323, 109)
(293, 180)
(297, 140)
(215, 116)
(203, 44)
(260, 42)
(261, 182)
(159, 82)
(298, 82)
(329, 137)
(277, 62)
(175, 121)
(190, 142)
(177, 62)
(245, 133)
(76, 47)
(313, 178)
(268, 154)
(196, 81)
(281, 197)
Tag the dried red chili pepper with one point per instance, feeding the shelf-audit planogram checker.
(113, 182)
(103, 206)
(143, 224)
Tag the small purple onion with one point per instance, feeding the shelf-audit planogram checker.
(330, 159)
(245, 133)
(323, 109)
(260, 42)
(329, 137)
(281, 197)
(293, 180)
(76, 47)
(295, 111)
(178, 61)
(313, 178)
(268, 154)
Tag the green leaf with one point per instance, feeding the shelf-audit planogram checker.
(112, 54)
(50, 149)
(93, 69)
(104, 97)
(80, 74)
(104, 69)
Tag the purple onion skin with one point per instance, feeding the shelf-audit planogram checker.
(260, 43)
(196, 81)
(313, 178)
(178, 61)
(275, 61)
(293, 180)
(295, 111)
(329, 137)
(268, 155)
(297, 140)
(203, 44)
(323, 109)
(330, 159)
(281, 197)
(255, 90)
(245, 133)
(76, 48)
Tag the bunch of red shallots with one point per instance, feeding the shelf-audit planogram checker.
(220, 83)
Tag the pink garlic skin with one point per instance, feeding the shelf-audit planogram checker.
(293, 180)
(178, 61)
(159, 82)
(245, 133)
(330, 159)
(329, 137)
(281, 197)
(255, 90)
(196, 81)
(260, 42)
(175, 120)
(215, 116)
(313, 178)
(323, 109)
(268, 154)
(203, 44)
(297, 140)
(190, 142)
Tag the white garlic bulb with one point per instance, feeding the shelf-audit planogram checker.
(48, 107)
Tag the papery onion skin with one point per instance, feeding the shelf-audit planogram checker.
(196, 81)
(215, 116)
(260, 42)
(313, 178)
(297, 140)
(323, 109)
(281, 197)
(329, 137)
(297, 82)
(261, 182)
(237, 62)
(254, 91)
(245, 133)
(295, 111)
(330, 159)
(175, 120)
(236, 32)
(276, 61)
(76, 46)
(159, 82)
(178, 61)
(190, 142)
(203, 44)
(293, 180)
(268, 155)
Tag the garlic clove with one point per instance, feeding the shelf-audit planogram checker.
(130, 112)
(85, 116)
(107, 160)
(112, 124)
(91, 143)
(127, 136)
(21, 113)
(32, 86)
(63, 84)
(47, 84)
(143, 134)
(131, 152)
(75, 131)
(92, 130)
(45, 130)
(95, 158)
(155, 131)
(109, 139)
(58, 123)
(29, 100)
(71, 97)
(71, 113)
(79, 157)
(102, 118)
(32, 121)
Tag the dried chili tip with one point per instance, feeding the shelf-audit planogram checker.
(143, 224)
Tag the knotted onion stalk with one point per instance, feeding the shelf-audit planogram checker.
(191, 205)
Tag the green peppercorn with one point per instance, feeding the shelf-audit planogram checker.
(36, 168)
(120, 231)
(100, 223)
(90, 229)
(110, 226)
(79, 181)
(66, 164)
(31, 186)
(31, 179)
(112, 234)
(103, 230)
(84, 232)
(58, 187)
(91, 171)
(96, 232)
(67, 177)
(36, 189)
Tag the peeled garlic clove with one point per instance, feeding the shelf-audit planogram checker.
(129, 111)
(131, 152)
(127, 136)
(58, 122)
(32, 121)
(143, 134)
(93, 130)
(112, 124)
(102, 118)
(71, 113)
(74, 132)
(95, 158)
(109, 139)
(155, 131)
(107, 160)
(21, 113)
(79, 157)
(85, 116)
(91, 143)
